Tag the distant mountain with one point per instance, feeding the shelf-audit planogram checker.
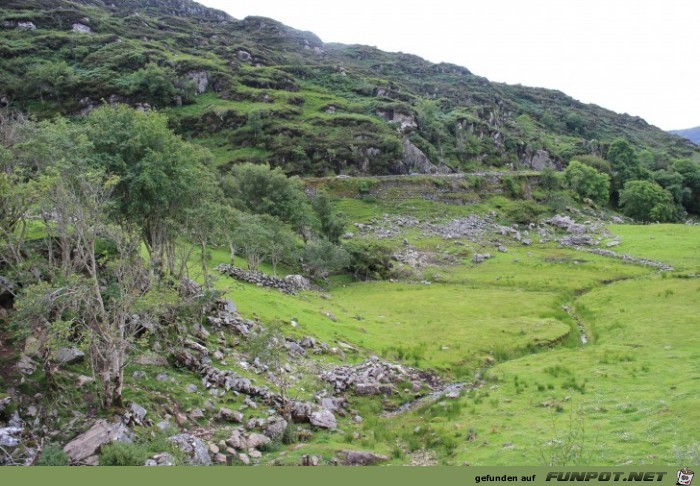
(692, 134)
(255, 90)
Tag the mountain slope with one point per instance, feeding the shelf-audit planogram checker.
(257, 90)
(692, 134)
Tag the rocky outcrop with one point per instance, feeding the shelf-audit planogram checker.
(375, 377)
(85, 448)
(197, 453)
(200, 79)
(538, 160)
(291, 284)
(81, 28)
(415, 161)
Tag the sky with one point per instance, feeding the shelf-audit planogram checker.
(639, 57)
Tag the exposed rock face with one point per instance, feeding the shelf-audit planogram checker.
(81, 28)
(201, 80)
(414, 160)
(291, 284)
(539, 160)
(26, 26)
(194, 448)
(85, 448)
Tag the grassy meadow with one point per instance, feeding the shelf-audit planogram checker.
(512, 325)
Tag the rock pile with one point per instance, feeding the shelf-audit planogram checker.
(375, 377)
(291, 284)
(213, 378)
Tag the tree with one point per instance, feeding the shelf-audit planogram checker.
(251, 236)
(281, 242)
(625, 165)
(204, 222)
(320, 259)
(587, 182)
(601, 165)
(647, 201)
(92, 298)
(261, 190)
(160, 175)
(331, 224)
(690, 171)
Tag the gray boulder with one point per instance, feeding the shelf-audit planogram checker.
(323, 419)
(196, 450)
(68, 356)
(85, 448)
(362, 458)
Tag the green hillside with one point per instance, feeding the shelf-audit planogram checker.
(256, 90)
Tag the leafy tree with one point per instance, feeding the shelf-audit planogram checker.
(587, 182)
(647, 201)
(625, 165)
(251, 236)
(601, 165)
(204, 223)
(332, 224)
(281, 242)
(261, 190)
(320, 259)
(690, 171)
(160, 175)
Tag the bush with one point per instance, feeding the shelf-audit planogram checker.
(52, 455)
(123, 454)
(587, 182)
(370, 260)
(647, 201)
(550, 180)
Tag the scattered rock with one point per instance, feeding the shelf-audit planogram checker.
(275, 428)
(229, 415)
(257, 441)
(151, 359)
(291, 284)
(137, 375)
(244, 459)
(26, 365)
(81, 28)
(10, 436)
(307, 460)
(196, 414)
(195, 449)
(26, 26)
(161, 459)
(323, 419)
(191, 388)
(362, 458)
(85, 448)
(64, 356)
(481, 258)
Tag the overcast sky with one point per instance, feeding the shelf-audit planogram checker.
(639, 57)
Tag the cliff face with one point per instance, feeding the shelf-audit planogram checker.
(257, 90)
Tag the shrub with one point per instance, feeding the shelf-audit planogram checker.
(647, 201)
(369, 260)
(53, 455)
(123, 454)
(587, 182)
